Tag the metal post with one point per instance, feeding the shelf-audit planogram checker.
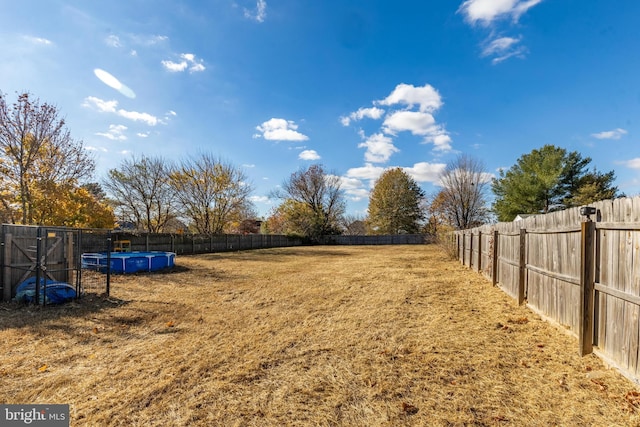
(523, 265)
(479, 266)
(108, 266)
(494, 266)
(38, 265)
(587, 259)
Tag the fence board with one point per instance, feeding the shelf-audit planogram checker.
(553, 268)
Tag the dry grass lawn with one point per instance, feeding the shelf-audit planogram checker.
(322, 336)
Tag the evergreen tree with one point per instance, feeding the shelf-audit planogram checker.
(549, 179)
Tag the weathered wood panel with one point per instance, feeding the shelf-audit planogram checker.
(553, 272)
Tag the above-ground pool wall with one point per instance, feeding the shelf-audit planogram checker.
(128, 262)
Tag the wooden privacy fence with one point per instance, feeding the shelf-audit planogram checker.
(581, 273)
(391, 239)
(185, 244)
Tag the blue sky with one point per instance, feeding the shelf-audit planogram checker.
(273, 86)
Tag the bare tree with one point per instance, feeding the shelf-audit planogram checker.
(212, 193)
(36, 153)
(142, 194)
(321, 193)
(354, 225)
(462, 200)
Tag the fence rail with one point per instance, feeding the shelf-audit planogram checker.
(582, 274)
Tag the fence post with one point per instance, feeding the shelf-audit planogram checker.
(109, 250)
(587, 259)
(479, 265)
(6, 267)
(70, 262)
(522, 264)
(464, 244)
(494, 256)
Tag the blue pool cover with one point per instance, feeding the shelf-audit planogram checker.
(56, 292)
(129, 262)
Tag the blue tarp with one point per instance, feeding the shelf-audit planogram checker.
(57, 292)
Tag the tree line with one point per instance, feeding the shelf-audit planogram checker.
(46, 178)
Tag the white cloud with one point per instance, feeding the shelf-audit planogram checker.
(259, 199)
(379, 148)
(611, 134)
(425, 96)
(110, 107)
(245, 165)
(113, 41)
(146, 40)
(309, 155)
(633, 163)
(143, 134)
(175, 67)
(92, 148)
(415, 115)
(503, 48)
(38, 40)
(115, 133)
(499, 45)
(354, 188)
(416, 122)
(260, 13)
(425, 172)
(280, 130)
(171, 113)
(421, 124)
(368, 171)
(100, 105)
(440, 139)
(487, 11)
(197, 68)
(189, 61)
(372, 113)
(139, 117)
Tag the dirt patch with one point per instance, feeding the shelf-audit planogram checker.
(385, 335)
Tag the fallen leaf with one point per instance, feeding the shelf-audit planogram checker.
(409, 409)
(95, 330)
(601, 386)
(170, 324)
(43, 368)
(633, 397)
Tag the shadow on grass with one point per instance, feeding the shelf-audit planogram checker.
(18, 315)
(171, 270)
